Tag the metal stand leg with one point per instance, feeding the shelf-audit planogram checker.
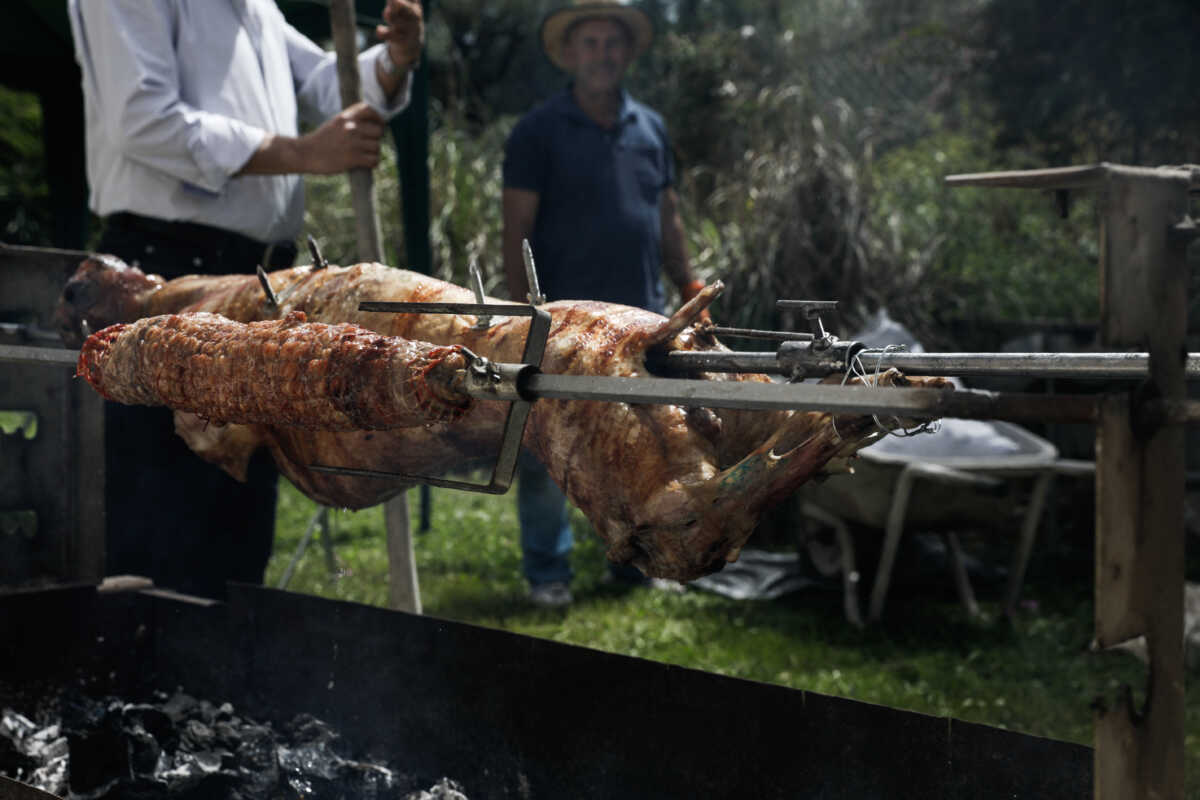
(897, 512)
(1033, 516)
(426, 505)
(891, 541)
(958, 569)
(327, 542)
(850, 576)
(318, 518)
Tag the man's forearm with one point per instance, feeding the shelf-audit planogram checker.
(519, 208)
(277, 155)
(676, 263)
(677, 266)
(393, 78)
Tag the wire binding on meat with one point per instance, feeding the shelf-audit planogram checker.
(287, 372)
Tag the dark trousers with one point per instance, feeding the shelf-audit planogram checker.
(172, 516)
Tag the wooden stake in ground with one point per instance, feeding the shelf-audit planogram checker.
(403, 591)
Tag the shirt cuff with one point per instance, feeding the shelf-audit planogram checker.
(221, 146)
(373, 93)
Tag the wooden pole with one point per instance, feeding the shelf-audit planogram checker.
(1140, 485)
(362, 183)
(403, 591)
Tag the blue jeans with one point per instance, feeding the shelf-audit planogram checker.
(546, 538)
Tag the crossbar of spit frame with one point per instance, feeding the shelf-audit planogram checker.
(47, 356)
(916, 403)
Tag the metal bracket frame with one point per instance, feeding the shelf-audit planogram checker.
(505, 466)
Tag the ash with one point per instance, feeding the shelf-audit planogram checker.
(181, 748)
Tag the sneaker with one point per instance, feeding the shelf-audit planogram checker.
(623, 581)
(628, 581)
(555, 594)
(665, 585)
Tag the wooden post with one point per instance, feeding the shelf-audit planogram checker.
(1140, 468)
(362, 182)
(403, 591)
(1140, 484)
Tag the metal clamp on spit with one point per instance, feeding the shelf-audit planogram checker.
(800, 354)
(824, 354)
(483, 376)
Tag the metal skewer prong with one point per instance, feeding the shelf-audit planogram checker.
(314, 250)
(535, 292)
(272, 298)
(484, 321)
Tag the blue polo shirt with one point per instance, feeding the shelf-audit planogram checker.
(598, 234)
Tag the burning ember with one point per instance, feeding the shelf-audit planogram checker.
(179, 746)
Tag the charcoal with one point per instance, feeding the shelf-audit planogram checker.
(35, 754)
(144, 751)
(96, 759)
(445, 789)
(154, 720)
(312, 765)
(181, 748)
(13, 761)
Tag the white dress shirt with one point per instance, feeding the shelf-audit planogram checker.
(178, 94)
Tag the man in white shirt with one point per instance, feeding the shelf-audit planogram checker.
(194, 157)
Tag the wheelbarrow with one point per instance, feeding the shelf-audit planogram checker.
(960, 477)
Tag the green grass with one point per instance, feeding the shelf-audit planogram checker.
(1034, 675)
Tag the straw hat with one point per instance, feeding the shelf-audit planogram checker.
(556, 24)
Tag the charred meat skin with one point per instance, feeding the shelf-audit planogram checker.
(674, 491)
(287, 372)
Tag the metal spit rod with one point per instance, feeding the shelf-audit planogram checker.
(815, 363)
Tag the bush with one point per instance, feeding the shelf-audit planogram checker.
(25, 214)
(789, 201)
(464, 197)
(972, 253)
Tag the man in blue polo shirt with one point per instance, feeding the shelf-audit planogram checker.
(588, 180)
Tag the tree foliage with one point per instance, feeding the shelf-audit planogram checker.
(812, 139)
(1095, 79)
(24, 196)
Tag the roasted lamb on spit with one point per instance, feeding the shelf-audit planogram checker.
(281, 372)
(675, 491)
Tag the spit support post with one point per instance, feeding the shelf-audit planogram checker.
(501, 381)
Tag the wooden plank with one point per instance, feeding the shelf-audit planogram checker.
(1054, 178)
(1091, 176)
(362, 182)
(1140, 484)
